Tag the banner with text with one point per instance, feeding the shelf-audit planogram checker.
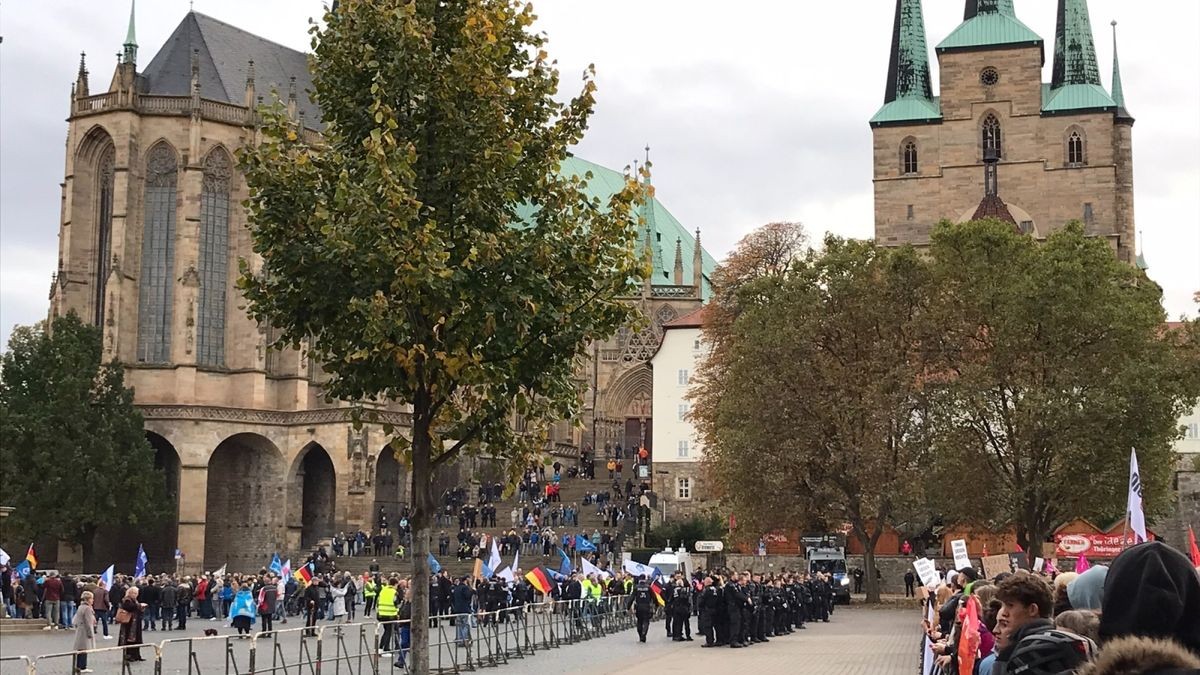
(1090, 545)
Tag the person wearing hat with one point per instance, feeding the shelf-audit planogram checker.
(1152, 590)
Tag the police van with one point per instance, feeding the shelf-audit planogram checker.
(669, 561)
(827, 554)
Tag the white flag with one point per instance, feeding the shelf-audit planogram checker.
(638, 569)
(494, 559)
(4, 558)
(107, 577)
(589, 568)
(220, 574)
(284, 573)
(507, 575)
(516, 561)
(1137, 517)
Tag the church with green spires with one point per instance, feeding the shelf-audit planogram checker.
(997, 140)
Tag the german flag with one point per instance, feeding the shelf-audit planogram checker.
(304, 574)
(657, 591)
(538, 578)
(31, 557)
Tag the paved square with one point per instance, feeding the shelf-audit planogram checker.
(855, 642)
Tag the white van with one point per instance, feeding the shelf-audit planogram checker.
(669, 561)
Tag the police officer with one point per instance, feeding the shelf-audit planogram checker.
(736, 604)
(708, 612)
(681, 611)
(641, 603)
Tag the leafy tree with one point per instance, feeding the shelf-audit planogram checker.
(810, 405)
(1054, 363)
(428, 251)
(75, 449)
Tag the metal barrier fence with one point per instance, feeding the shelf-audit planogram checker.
(457, 643)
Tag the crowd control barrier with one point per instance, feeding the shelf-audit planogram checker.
(457, 643)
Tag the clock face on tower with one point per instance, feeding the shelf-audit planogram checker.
(989, 76)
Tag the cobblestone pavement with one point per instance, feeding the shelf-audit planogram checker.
(856, 641)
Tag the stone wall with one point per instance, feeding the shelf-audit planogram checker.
(1185, 511)
(892, 568)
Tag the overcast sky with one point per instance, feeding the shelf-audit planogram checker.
(754, 110)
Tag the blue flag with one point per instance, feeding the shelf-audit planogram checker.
(582, 543)
(139, 569)
(276, 564)
(565, 568)
(22, 569)
(434, 565)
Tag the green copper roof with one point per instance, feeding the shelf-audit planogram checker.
(1118, 91)
(665, 229)
(985, 30)
(908, 95)
(1076, 97)
(1074, 49)
(131, 34)
(909, 110)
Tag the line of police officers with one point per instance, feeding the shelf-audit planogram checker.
(734, 609)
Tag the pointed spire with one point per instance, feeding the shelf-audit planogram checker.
(130, 45)
(1074, 48)
(1118, 90)
(678, 261)
(250, 84)
(908, 70)
(81, 79)
(698, 267)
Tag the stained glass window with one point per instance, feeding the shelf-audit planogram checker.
(158, 256)
(214, 259)
(104, 214)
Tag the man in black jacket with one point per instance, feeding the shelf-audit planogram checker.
(708, 612)
(641, 603)
(680, 610)
(736, 604)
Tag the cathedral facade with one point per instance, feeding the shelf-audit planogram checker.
(998, 141)
(151, 235)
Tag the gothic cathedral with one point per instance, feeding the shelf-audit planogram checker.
(998, 142)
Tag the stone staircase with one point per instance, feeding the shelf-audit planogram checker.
(572, 491)
(16, 626)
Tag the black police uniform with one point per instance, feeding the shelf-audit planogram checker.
(681, 612)
(642, 602)
(736, 603)
(708, 615)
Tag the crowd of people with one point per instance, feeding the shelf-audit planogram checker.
(1139, 615)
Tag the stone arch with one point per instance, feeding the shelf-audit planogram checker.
(625, 395)
(908, 157)
(244, 504)
(159, 539)
(991, 134)
(393, 482)
(95, 185)
(157, 284)
(313, 495)
(1074, 146)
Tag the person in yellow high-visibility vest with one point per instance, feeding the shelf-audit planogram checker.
(387, 613)
(370, 590)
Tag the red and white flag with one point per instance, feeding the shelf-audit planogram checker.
(1137, 517)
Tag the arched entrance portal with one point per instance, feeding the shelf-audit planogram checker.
(318, 495)
(391, 488)
(119, 544)
(244, 506)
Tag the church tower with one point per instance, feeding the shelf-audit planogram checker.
(1061, 150)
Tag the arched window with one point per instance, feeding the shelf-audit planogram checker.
(908, 157)
(1075, 156)
(214, 258)
(158, 256)
(991, 135)
(104, 213)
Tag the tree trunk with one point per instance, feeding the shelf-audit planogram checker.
(88, 545)
(871, 582)
(422, 524)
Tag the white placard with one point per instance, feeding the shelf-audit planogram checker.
(961, 559)
(1038, 564)
(927, 571)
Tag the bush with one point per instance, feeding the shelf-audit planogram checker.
(698, 528)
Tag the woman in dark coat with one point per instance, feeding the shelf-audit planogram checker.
(131, 631)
